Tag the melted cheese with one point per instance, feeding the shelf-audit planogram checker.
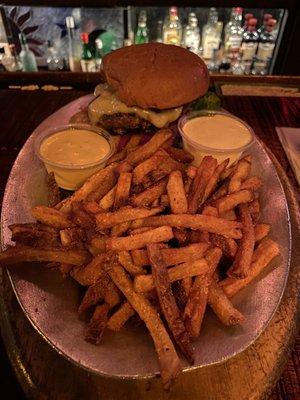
(108, 103)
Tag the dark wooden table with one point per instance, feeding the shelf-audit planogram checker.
(22, 111)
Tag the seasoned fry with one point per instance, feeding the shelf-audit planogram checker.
(51, 217)
(35, 235)
(65, 269)
(204, 174)
(123, 190)
(182, 235)
(253, 183)
(241, 265)
(221, 192)
(117, 157)
(144, 283)
(97, 244)
(92, 207)
(176, 193)
(230, 215)
(124, 166)
(164, 200)
(173, 256)
(167, 356)
(230, 201)
(112, 295)
(147, 197)
(261, 231)
(124, 214)
(262, 256)
(180, 155)
(227, 245)
(214, 179)
(125, 260)
(97, 324)
(161, 234)
(254, 208)
(94, 294)
(139, 230)
(209, 210)
(198, 295)
(94, 188)
(149, 148)
(107, 201)
(17, 254)
(120, 317)
(133, 141)
(201, 222)
(80, 217)
(240, 174)
(187, 285)
(167, 301)
(191, 171)
(73, 238)
(120, 229)
(90, 273)
(222, 306)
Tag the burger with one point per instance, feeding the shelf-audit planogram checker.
(147, 87)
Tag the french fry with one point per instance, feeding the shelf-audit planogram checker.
(176, 193)
(253, 183)
(124, 166)
(230, 215)
(191, 171)
(187, 285)
(254, 208)
(261, 231)
(94, 188)
(73, 238)
(97, 244)
(35, 235)
(198, 295)
(133, 141)
(125, 260)
(97, 324)
(80, 217)
(149, 148)
(209, 210)
(164, 200)
(228, 171)
(222, 306)
(161, 234)
(266, 251)
(144, 283)
(167, 301)
(148, 196)
(117, 157)
(139, 230)
(120, 317)
(18, 254)
(192, 252)
(123, 190)
(120, 229)
(112, 295)
(240, 174)
(167, 356)
(90, 273)
(197, 222)
(230, 201)
(65, 269)
(228, 246)
(214, 179)
(180, 155)
(221, 192)
(182, 235)
(124, 214)
(204, 174)
(107, 201)
(242, 262)
(92, 207)
(51, 217)
(94, 294)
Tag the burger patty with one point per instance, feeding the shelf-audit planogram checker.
(120, 123)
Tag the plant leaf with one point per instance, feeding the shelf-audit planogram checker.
(23, 18)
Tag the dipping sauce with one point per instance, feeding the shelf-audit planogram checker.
(214, 133)
(74, 153)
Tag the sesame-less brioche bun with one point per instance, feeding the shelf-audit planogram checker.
(155, 75)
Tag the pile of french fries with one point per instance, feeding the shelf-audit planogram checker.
(154, 236)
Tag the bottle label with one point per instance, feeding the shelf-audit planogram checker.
(234, 42)
(172, 37)
(210, 44)
(249, 50)
(265, 51)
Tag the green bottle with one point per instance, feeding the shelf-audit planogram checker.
(26, 56)
(87, 62)
(141, 35)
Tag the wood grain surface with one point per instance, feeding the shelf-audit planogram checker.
(251, 375)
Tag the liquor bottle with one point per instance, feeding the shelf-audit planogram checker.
(261, 29)
(191, 34)
(159, 31)
(141, 35)
(265, 49)
(54, 62)
(237, 67)
(172, 29)
(213, 65)
(87, 62)
(26, 56)
(211, 35)
(234, 32)
(10, 59)
(250, 40)
(74, 45)
(246, 19)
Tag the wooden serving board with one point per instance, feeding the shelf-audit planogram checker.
(44, 374)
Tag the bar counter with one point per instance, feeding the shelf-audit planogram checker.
(22, 110)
